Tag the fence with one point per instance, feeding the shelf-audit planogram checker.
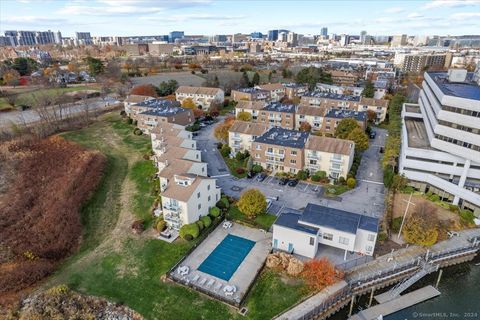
(353, 263)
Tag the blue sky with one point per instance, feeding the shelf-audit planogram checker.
(149, 17)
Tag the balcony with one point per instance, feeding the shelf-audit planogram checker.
(236, 138)
(172, 208)
(335, 160)
(313, 156)
(334, 169)
(275, 154)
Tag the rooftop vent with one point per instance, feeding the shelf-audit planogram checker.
(457, 75)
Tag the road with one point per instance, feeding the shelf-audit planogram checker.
(30, 116)
(367, 198)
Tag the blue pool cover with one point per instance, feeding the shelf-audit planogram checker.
(227, 256)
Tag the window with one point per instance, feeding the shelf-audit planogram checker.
(257, 155)
(312, 241)
(259, 147)
(199, 206)
(293, 161)
(208, 187)
(293, 153)
(270, 150)
(369, 248)
(198, 195)
(209, 198)
(328, 236)
(371, 237)
(343, 240)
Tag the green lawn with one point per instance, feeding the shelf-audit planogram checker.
(263, 221)
(335, 190)
(273, 294)
(29, 98)
(127, 268)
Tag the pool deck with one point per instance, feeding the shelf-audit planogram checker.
(243, 276)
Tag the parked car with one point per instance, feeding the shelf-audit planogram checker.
(373, 134)
(262, 176)
(283, 181)
(251, 174)
(25, 107)
(382, 150)
(292, 182)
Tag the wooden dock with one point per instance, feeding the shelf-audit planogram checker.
(397, 304)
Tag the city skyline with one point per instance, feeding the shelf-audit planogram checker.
(147, 17)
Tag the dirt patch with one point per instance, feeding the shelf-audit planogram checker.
(400, 204)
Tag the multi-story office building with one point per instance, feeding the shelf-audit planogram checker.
(22, 38)
(6, 41)
(174, 35)
(324, 32)
(272, 35)
(292, 39)
(399, 40)
(440, 150)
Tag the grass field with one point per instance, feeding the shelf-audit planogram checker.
(263, 221)
(29, 97)
(126, 268)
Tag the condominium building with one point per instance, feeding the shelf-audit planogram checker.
(152, 117)
(280, 150)
(440, 150)
(344, 78)
(278, 115)
(311, 115)
(250, 94)
(243, 133)
(203, 97)
(187, 198)
(293, 90)
(342, 90)
(252, 107)
(277, 90)
(334, 116)
(317, 225)
(132, 100)
(333, 156)
(379, 106)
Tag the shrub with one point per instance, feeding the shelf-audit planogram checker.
(225, 150)
(188, 237)
(225, 202)
(396, 223)
(200, 225)
(161, 225)
(382, 236)
(191, 229)
(129, 120)
(207, 221)
(434, 198)
(315, 178)
(351, 182)
(466, 216)
(138, 226)
(219, 145)
(220, 205)
(302, 175)
(240, 170)
(257, 168)
(321, 174)
(137, 132)
(341, 181)
(123, 113)
(215, 211)
(453, 208)
(134, 122)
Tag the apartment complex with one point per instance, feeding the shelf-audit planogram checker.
(252, 107)
(293, 90)
(282, 150)
(319, 225)
(440, 149)
(132, 100)
(334, 116)
(250, 94)
(203, 97)
(278, 115)
(243, 133)
(344, 78)
(152, 117)
(277, 90)
(187, 193)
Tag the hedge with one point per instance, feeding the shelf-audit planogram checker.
(214, 212)
(200, 225)
(161, 225)
(191, 229)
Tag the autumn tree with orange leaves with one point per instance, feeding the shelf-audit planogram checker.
(320, 273)
(144, 90)
(221, 131)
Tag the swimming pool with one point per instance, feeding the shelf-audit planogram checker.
(227, 256)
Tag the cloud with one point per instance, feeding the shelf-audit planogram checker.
(465, 16)
(33, 20)
(415, 15)
(107, 10)
(450, 4)
(194, 16)
(394, 10)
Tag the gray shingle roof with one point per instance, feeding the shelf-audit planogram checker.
(284, 137)
(290, 220)
(342, 114)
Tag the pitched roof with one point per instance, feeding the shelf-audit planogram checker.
(374, 102)
(271, 86)
(343, 114)
(182, 193)
(167, 129)
(254, 105)
(251, 128)
(337, 219)
(172, 153)
(330, 145)
(178, 166)
(340, 73)
(280, 107)
(311, 111)
(135, 98)
(198, 90)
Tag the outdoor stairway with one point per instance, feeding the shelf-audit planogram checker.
(404, 285)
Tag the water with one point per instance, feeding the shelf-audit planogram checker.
(459, 298)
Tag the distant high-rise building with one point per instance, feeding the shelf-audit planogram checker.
(58, 37)
(174, 35)
(292, 39)
(363, 37)
(256, 35)
(344, 40)
(399, 40)
(219, 38)
(44, 37)
(6, 41)
(282, 36)
(84, 38)
(324, 32)
(273, 35)
(22, 38)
